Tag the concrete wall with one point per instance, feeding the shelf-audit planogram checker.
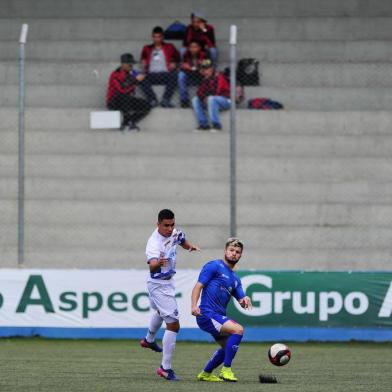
(314, 185)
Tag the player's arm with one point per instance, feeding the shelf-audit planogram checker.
(206, 274)
(182, 241)
(155, 258)
(189, 246)
(242, 299)
(195, 298)
(156, 263)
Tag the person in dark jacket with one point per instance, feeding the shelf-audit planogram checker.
(212, 96)
(199, 30)
(189, 74)
(121, 93)
(160, 61)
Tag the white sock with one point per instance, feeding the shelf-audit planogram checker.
(169, 345)
(155, 323)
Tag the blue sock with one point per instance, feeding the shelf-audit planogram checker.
(231, 349)
(215, 360)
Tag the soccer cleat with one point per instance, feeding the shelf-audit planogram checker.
(227, 374)
(168, 374)
(152, 346)
(204, 376)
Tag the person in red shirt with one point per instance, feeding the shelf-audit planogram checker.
(120, 93)
(189, 74)
(160, 60)
(199, 30)
(213, 95)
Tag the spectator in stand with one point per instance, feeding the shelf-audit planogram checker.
(121, 91)
(160, 61)
(189, 74)
(212, 96)
(199, 30)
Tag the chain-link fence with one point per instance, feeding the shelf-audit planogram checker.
(313, 179)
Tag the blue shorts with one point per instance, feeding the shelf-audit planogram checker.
(212, 323)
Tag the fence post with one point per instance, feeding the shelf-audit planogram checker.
(21, 152)
(233, 163)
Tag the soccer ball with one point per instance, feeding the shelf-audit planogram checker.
(279, 354)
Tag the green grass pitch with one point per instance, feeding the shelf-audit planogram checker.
(101, 365)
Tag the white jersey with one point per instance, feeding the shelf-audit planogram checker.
(159, 246)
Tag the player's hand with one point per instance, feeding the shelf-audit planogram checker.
(172, 66)
(194, 248)
(162, 262)
(140, 77)
(246, 303)
(196, 311)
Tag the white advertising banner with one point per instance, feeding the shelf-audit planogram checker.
(84, 298)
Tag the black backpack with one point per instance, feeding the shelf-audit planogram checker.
(175, 31)
(248, 72)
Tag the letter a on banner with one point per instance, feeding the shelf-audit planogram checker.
(43, 300)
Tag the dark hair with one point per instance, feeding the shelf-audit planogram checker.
(157, 30)
(165, 214)
(195, 41)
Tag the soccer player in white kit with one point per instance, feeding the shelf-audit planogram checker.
(161, 257)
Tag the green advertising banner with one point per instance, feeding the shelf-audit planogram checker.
(287, 305)
(316, 299)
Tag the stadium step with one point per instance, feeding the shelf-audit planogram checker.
(199, 145)
(293, 98)
(322, 123)
(174, 169)
(250, 192)
(104, 51)
(273, 74)
(253, 258)
(249, 28)
(232, 9)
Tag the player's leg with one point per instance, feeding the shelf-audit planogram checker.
(169, 341)
(215, 361)
(165, 301)
(212, 325)
(235, 332)
(155, 324)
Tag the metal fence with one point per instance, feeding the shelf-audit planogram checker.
(313, 179)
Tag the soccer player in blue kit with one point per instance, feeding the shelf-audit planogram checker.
(217, 283)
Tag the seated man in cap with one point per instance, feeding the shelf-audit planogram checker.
(160, 61)
(212, 96)
(199, 30)
(121, 90)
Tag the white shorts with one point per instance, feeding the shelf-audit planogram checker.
(163, 300)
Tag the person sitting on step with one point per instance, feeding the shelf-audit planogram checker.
(121, 93)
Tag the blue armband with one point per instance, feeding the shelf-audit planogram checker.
(163, 275)
(181, 237)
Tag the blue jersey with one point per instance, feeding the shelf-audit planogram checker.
(220, 284)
